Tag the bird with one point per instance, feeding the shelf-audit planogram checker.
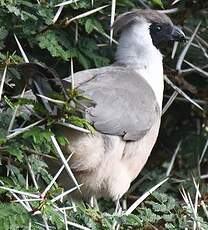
(126, 113)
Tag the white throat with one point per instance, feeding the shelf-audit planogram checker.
(136, 50)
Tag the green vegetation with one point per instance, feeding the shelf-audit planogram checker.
(81, 32)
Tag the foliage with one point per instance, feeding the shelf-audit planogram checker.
(22, 156)
(13, 216)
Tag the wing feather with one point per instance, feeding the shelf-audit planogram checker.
(125, 104)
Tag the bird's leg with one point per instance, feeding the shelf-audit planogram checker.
(93, 202)
(118, 206)
(124, 204)
(73, 205)
(118, 210)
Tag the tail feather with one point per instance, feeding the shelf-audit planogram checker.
(44, 81)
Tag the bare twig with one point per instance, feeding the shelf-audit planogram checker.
(72, 75)
(65, 220)
(51, 99)
(169, 102)
(21, 50)
(201, 71)
(22, 130)
(105, 35)
(176, 1)
(21, 202)
(200, 102)
(173, 158)
(64, 161)
(58, 13)
(20, 192)
(181, 92)
(203, 152)
(86, 14)
(203, 50)
(15, 113)
(74, 127)
(32, 174)
(45, 222)
(144, 4)
(113, 10)
(197, 36)
(184, 51)
(45, 101)
(200, 196)
(60, 196)
(175, 46)
(169, 11)
(54, 178)
(143, 197)
(64, 3)
(2, 81)
(77, 225)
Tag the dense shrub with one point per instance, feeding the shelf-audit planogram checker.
(85, 39)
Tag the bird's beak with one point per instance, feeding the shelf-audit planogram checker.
(177, 34)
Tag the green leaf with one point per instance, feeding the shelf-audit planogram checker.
(14, 150)
(101, 61)
(16, 176)
(85, 62)
(55, 217)
(8, 101)
(125, 3)
(158, 2)
(91, 23)
(13, 216)
(62, 140)
(169, 226)
(132, 220)
(50, 41)
(3, 35)
(25, 101)
(89, 26)
(39, 135)
(148, 216)
(81, 123)
(3, 134)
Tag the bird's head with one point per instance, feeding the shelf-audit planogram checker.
(149, 24)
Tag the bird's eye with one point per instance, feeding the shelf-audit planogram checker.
(158, 28)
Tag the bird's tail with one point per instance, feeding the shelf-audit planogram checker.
(44, 83)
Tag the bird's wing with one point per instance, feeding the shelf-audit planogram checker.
(125, 103)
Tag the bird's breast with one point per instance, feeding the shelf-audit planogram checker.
(153, 74)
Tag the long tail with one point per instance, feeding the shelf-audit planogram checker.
(43, 81)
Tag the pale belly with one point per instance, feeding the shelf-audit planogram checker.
(104, 164)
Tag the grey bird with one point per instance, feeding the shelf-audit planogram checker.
(127, 111)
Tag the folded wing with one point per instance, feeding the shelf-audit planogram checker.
(125, 103)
